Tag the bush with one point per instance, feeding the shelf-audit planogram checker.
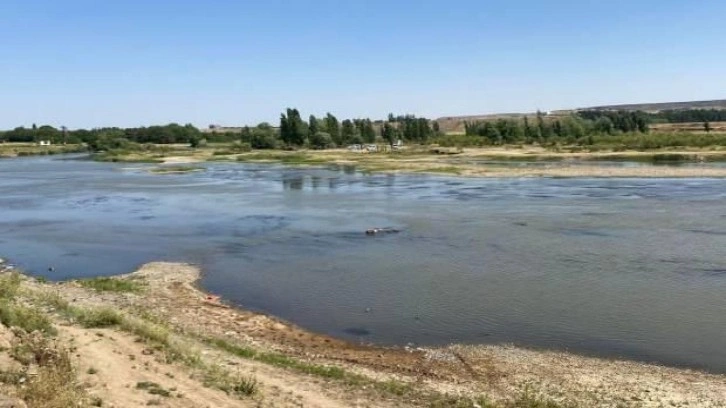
(321, 140)
(263, 141)
(461, 141)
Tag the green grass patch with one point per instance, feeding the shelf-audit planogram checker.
(27, 318)
(96, 318)
(9, 285)
(105, 284)
(281, 360)
(146, 330)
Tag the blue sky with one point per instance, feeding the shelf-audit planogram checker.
(126, 63)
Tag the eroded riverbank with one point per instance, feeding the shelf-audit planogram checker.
(288, 362)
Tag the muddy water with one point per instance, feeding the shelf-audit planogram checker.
(630, 268)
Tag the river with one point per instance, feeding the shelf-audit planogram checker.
(631, 268)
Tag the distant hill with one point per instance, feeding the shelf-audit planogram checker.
(456, 123)
(657, 107)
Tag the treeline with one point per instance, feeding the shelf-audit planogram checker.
(329, 132)
(617, 121)
(690, 115)
(665, 116)
(544, 129)
(293, 132)
(98, 138)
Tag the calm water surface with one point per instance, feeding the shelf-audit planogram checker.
(616, 267)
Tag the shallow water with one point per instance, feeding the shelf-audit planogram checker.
(615, 267)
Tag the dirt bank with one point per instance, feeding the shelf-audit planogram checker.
(293, 367)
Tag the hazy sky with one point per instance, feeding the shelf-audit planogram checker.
(132, 62)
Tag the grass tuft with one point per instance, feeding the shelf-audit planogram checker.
(9, 285)
(241, 386)
(27, 318)
(105, 284)
(96, 318)
(55, 385)
(153, 388)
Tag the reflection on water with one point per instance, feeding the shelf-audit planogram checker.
(617, 267)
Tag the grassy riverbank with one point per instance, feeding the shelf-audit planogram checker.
(151, 337)
(32, 149)
(504, 161)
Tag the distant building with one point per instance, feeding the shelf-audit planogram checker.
(44, 143)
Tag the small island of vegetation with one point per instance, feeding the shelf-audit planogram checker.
(409, 143)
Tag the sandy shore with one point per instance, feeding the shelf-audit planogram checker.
(500, 372)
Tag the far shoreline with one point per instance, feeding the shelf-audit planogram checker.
(476, 162)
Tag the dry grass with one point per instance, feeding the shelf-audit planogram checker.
(106, 284)
(55, 384)
(27, 318)
(9, 285)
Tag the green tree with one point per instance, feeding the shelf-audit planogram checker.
(348, 133)
(544, 129)
(313, 124)
(332, 127)
(364, 127)
(529, 133)
(604, 125)
(390, 133)
(263, 137)
(321, 140)
(293, 130)
(707, 127)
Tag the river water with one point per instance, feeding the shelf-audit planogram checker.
(632, 268)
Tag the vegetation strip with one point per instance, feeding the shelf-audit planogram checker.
(176, 350)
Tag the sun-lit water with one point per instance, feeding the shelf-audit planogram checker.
(617, 267)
